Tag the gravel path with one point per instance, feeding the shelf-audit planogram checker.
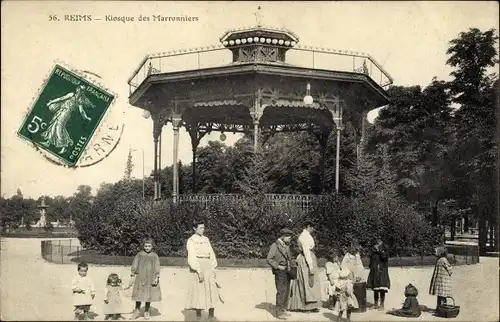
(32, 289)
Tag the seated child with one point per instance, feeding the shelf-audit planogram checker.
(410, 308)
(332, 268)
(352, 260)
(344, 286)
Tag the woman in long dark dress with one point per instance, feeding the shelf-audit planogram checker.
(378, 278)
(305, 290)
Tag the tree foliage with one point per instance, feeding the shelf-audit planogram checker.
(129, 166)
(472, 53)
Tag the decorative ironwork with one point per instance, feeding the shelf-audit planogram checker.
(229, 128)
(268, 54)
(305, 202)
(159, 119)
(247, 54)
(325, 59)
(152, 70)
(363, 69)
(302, 127)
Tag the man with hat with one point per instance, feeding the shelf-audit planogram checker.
(279, 258)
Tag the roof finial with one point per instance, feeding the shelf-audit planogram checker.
(258, 17)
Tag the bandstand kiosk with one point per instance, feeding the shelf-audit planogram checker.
(259, 80)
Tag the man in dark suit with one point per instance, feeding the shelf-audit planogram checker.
(279, 258)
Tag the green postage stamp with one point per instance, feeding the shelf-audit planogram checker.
(65, 115)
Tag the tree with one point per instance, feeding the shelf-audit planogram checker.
(293, 163)
(80, 203)
(213, 170)
(255, 180)
(129, 166)
(416, 128)
(473, 88)
(17, 211)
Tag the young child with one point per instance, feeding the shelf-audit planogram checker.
(83, 292)
(146, 279)
(441, 281)
(113, 295)
(352, 260)
(332, 268)
(411, 308)
(346, 298)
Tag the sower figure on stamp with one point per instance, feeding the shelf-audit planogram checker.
(56, 133)
(279, 258)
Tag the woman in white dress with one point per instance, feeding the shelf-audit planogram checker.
(202, 289)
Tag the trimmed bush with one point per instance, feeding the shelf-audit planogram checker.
(341, 220)
(244, 228)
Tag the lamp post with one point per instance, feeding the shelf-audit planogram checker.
(143, 175)
(147, 114)
(308, 99)
(337, 118)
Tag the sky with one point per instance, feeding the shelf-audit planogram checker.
(408, 38)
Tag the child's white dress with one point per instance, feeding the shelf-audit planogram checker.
(345, 289)
(83, 283)
(354, 264)
(114, 295)
(332, 274)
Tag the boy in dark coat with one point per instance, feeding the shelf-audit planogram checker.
(411, 308)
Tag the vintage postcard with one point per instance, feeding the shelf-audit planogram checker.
(249, 160)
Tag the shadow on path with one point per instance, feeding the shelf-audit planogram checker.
(332, 317)
(190, 315)
(424, 308)
(152, 312)
(91, 315)
(266, 306)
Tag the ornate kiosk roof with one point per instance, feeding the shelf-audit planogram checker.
(257, 71)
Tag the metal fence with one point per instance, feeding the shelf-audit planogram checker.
(218, 55)
(304, 202)
(67, 251)
(61, 251)
(457, 255)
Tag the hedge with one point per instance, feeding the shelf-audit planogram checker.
(244, 228)
(461, 255)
